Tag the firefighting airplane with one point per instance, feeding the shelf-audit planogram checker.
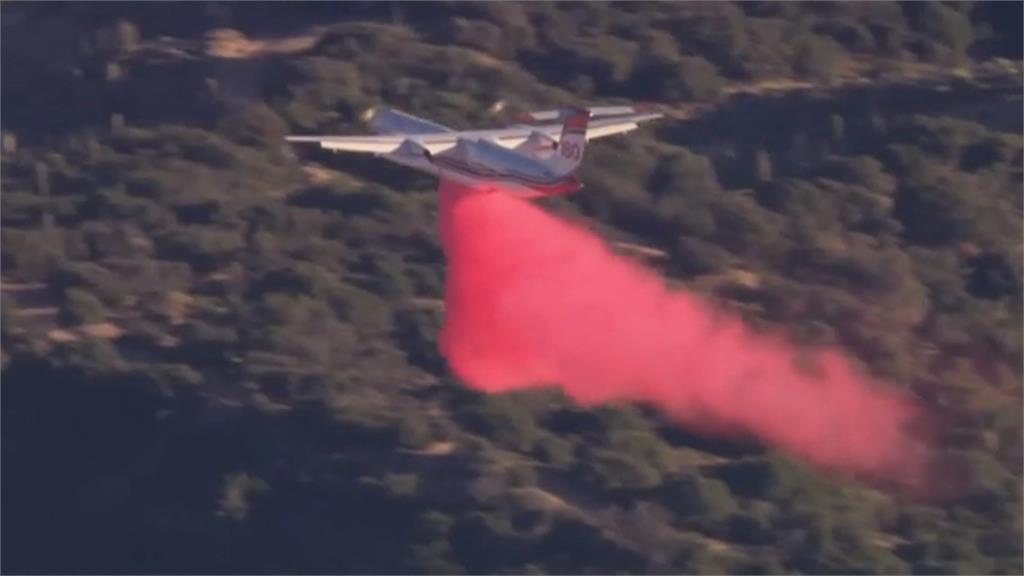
(523, 158)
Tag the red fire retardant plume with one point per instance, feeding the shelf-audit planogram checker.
(533, 300)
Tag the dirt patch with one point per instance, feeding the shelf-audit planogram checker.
(8, 286)
(230, 43)
(888, 541)
(61, 335)
(41, 311)
(714, 544)
(104, 330)
(733, 278)
(645, 251)
(540, 499)
(438, 449)
(317, 174)
(427, 303)
(486, 59)
(176, 306)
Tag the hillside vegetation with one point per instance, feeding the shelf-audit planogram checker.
(219, 351)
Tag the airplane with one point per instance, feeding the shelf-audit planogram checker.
(523, 159)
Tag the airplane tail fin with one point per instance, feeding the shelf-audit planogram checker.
(572, 142)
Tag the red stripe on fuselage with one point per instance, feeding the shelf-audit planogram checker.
(560, 185)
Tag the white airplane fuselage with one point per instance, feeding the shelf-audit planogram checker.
(485, 163)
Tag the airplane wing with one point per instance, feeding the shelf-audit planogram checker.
(393, 128)
(600, 127)
(369, 144)
(439, 139)
(596, 112)
(391, 121)
(605, 120)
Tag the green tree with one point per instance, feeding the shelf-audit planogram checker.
(700, 497)
(81, 307)
(611, 470)
(695, 79)
(93, 278)
(89, 358)
(668, 77)
(505, 420)
(819, 58)
(238, 491)
(400, 485)
(693, 256)
(521, 476)
(122, 36)
(414, 431)
(947, 26)
(938, 212)
(553, 450)
(434, 557)
(684, 173)
(254, 125)
(771, 478)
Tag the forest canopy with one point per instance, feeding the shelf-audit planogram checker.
(219, 351)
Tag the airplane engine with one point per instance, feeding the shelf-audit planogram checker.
(410, 147)
(413, 154)
(539, 145)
